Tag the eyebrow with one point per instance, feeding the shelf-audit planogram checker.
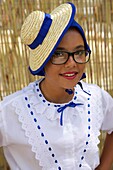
(76, 48)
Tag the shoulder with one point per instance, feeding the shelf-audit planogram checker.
(98, 92)
(90, 86)
(7, 100)
(93, 87)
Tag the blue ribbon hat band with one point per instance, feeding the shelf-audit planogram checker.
(42, 33)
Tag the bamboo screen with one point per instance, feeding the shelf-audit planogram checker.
(96, 17)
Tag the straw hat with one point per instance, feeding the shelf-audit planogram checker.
(43, 32)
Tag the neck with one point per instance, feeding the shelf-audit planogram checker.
(53, 94)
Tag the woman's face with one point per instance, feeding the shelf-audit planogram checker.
(67, 75)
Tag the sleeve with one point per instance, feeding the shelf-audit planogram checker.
(107, 104)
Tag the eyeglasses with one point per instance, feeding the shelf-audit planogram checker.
(61, 57)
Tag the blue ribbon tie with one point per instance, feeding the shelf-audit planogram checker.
(61, 110)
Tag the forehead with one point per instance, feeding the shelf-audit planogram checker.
(71, 39)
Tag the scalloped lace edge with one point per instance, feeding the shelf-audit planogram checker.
(36, 147)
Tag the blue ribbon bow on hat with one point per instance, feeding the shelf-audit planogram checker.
(61, 110)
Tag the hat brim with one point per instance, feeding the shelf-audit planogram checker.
(62, 17)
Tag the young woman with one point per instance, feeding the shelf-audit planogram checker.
(54, 123)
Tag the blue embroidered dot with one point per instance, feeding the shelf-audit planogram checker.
(49, 149)
(37, 90)
(59, 168)
(38, 127)
(42, 134)
(80, 165)
(28, 105)
(53, 155)
(88, 105)
(89, 120)
(40, 95)
(86, 143)
(75, 98)
(82, 157)
(36, 84)
(48, 104)
(31, 112)
(76, 92)
(88, 135)
(25, 98)
(88, 98)
(55, 105)
(89, 127)
(35, 120)
(44, 101)
(56, 161)
(46, 142)
(88, 112)
(84, 150)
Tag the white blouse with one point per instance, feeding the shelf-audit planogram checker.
(39, 135)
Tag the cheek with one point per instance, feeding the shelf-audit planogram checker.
(81, 67)
(51, 70)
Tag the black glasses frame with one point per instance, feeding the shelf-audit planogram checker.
(72, 54)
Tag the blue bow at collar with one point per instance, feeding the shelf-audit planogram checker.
(61, 109)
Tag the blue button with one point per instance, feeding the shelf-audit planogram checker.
(56, 161)
(88, 135)
(49, 149)
(28, 105)
(75, 98)
(86, 143)
(44, 101)
(38, 127)
(84, 150)
(53, 155)
(80, 165)
(35, 120)
(89, 119)
(42, 134)
(82, 157)
(46, 141)
(88, 112)
(31, 113)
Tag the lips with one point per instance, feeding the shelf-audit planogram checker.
(69, 75)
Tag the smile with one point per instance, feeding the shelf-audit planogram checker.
(70, 75)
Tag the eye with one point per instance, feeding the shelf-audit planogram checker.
(58, 54)
(81, 52)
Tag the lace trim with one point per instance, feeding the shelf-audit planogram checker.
(96, 116)
(42, 101)
(28, 124)
(47, 159)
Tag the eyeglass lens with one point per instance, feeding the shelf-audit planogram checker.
(61, 57)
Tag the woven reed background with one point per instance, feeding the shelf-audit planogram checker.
(96, 16)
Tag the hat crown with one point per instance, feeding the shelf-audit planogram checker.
(31, 26)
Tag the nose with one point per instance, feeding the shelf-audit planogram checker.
(70, 62)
